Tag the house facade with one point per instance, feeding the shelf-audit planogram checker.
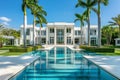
(59, 33)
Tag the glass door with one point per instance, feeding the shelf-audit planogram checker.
(60, 36)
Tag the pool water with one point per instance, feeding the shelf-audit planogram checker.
(62, 64)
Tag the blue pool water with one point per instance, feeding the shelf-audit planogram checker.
(62, 64)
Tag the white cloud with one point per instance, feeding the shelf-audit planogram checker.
(5, 19)
(5, 23)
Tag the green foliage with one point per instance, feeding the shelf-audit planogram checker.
(18, 49)
(96, 49)
(21, 49)
(117, 50)
(11, 53)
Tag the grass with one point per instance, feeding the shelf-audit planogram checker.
(108, 54)
(11, 53)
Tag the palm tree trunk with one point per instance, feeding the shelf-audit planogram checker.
(88, 30)
(81, 35)
(34, 31)
(24, 29)
(99, 26)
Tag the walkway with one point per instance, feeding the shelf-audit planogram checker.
(9, 66)
(108, 63)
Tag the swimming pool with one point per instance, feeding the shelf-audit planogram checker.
(62, 64)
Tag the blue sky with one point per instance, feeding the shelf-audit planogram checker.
(57, 10)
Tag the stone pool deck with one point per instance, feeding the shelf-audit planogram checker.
(109, 63)
(9, 66)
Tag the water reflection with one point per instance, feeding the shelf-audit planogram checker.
(62, 64)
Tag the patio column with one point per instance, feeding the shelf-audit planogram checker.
(73, 36)
(46, 36)
(55, 36)
(65, 35)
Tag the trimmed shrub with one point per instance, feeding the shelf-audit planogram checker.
(21, 49)
(96, 49)
(117, 50)
(28, 49)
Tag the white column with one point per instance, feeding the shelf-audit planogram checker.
(55, 37)
(73, 36)
(65, 35)
(47, 36)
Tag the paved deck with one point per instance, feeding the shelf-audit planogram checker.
(108, 63)
(9, 66)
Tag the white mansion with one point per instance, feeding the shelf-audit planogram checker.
(60, 33)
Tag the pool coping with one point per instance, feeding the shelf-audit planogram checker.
(10, 66)
(106, 67)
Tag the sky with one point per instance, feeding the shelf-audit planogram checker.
(57, 11)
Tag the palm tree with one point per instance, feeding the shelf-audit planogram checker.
(116, 21)
(88, 4)
(41, 20)
(98, 11)
(80, 18)
(37, 12)
(25, 5)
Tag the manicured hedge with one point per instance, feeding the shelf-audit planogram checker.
(117, 50)
(96, 49)
(20, 49)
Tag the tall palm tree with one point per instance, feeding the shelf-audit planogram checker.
(37, 12)
(41, 20)
(116, 21)
(25, 5)
(98, 12)
(88, 4)
(80, 18)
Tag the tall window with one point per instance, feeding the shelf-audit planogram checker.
(75, 32)
(28, 32)
(118, 41)
(79, 32)
(28, 42)
(68, 30)
(51, 30)
(93, 41)
(68, 40)
(43, 32)
(92, 32)
(51, 40)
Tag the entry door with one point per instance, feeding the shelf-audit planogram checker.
(60, 36)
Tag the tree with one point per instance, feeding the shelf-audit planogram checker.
(88, 4)
(41, 20)
(25, 4)
(107, 33)
(98, 12)
(116, 21)
(80, 18)
(39, 13)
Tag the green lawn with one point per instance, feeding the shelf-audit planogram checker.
(109, 54)
(12, 53)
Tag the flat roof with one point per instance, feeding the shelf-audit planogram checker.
(109, 63)
(9, 66)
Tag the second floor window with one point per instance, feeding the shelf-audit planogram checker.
(43, 32)
(28, 32)
(92, 32)
(79, 32)
(51, 30)
(68, 30)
